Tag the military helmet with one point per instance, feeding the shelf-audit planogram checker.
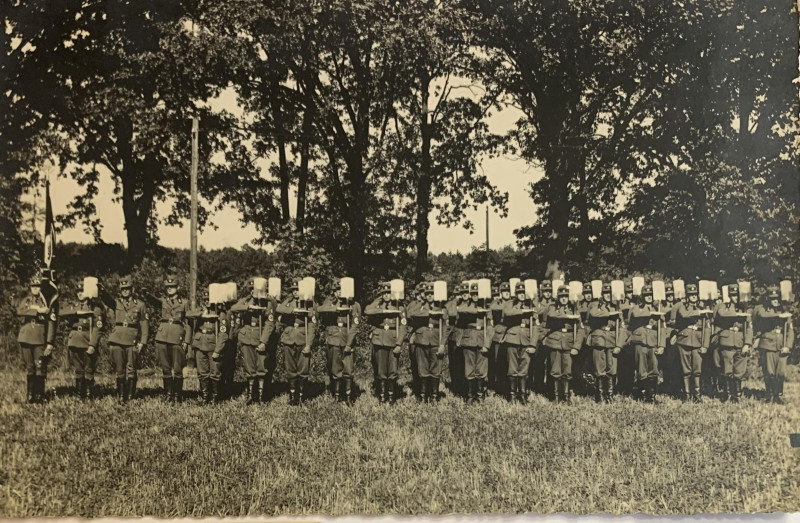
(546, 286)
(647, 290)
(563, 291)
(691, 288)
(172, 281)
(505, 287)
(733, 289)
(519, 287)
(125, 282)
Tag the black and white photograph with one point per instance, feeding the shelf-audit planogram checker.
(352, 258)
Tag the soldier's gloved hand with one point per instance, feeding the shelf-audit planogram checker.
(440, 351)
(307, 350)
(659, 351)
(574, 352)
(673, 339)
(484, 350)
(530, 350)
(48, 350)
(262, 348)
(703, 350)
(746, 349)
(90, 350)
(785, 350)
(348, 349)
(616, 350)
(216, 356)
(138, 347)
(396, 350)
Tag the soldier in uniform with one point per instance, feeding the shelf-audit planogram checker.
(454, 355)
(626, 368)
(210, 333)
(86, 322)
(580, 362)
(734, 332)
(340, 319)
(36, 337)
(519, 336)
(606, 338)
(498, 360)
(774, 340)
(417, 299)
(388, 322)
(172, 340)
(693, 340)
(669, 363)
(428, 332)
(473, 344)
(540, 368)
(130, 324)
(648, 337)
(255, 327)
(564, 339)
(299, 318)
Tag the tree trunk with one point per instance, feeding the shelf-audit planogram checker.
(280, 141)
(424, 182)
(305, 151)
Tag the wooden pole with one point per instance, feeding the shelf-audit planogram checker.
(193, 225)
(487, 227)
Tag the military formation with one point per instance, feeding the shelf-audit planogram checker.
(549, 337)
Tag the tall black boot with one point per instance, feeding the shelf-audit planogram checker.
(208, 392)
(30, 394)
(347, 385)
(252, 390)
(121, 390)
(522, 390)
(697, 393)
(266, 383)
(166, 393)
(177, 389)
(567, 392)
(599, 389)
(90, 392)
(511, 391)
(82, 386)
(733, 389)
(78, 383)
(132, 388)
(392, 384)
(219, 389)
(779, 390)
(435, 387)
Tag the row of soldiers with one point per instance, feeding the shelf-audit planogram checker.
(508, 341)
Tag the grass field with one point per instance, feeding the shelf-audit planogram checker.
(68, 458)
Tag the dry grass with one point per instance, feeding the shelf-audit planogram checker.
(97, 458)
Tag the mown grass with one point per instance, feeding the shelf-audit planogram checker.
(69, 458)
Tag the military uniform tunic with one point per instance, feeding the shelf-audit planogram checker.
(498, 359)
(85, 325)
(561, 339)
(210, 333)
(772, 331)
(173, 330)
(340, 324)
(129, 321)
(519, 334)
(256, 325)
(690, 333)
(733, 331)
(37, 330)
(388, 331)
(604, 337)
(473, 341)
(644, 336)
(293, 338)
(427, 337)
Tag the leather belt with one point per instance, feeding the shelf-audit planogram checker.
(78, 328)
(207, 331)
(126, 324)
(36, 322)
(171, 320)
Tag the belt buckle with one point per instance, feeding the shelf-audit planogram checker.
(125, 324)
(386, 327)
(564, 329)
(79, 328)
(479, 327)
(735, 329)
(606, 328)
(339, 324)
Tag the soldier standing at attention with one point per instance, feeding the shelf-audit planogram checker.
(210, 335)
(581, 361)
(498, 360)
(564, 341)
(669, 363)
(388, 321)
(340, 320)
(605, 341)
(36, 336)
(428, 327)
(454, 355)
(130, 323)
(417, 299)
(647, 344)
(86, 322)
(519, 336)
(472, 343)
(540, 381)
(693, 339)
(299, 318)
(257, 317)
(734, 327)
(172, 340)
(626, 358)
(775, 338)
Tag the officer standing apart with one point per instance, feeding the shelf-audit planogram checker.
(85, 322)
(693, 339)
(209, 338)
(563, 338)
(428, 327)
(172, 340)
(648, 337)
(773, 327)
(340, 318)
(519, 336)
(36, 337)
(130, 326)
(389, 327)
(733, 321)
(472, 343)
(299, 317)
(605, 342)
(256, 314)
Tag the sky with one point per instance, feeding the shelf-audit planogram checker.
(509, 174)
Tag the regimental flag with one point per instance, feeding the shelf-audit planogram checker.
(49, 228)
